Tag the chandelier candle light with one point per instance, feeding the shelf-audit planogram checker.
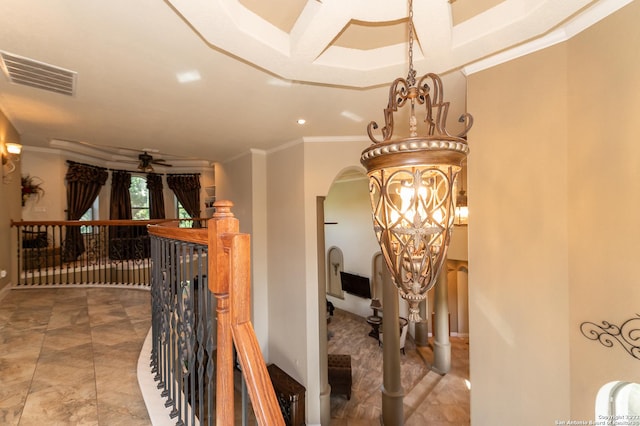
(412, 181)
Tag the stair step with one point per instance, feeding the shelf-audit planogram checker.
(420, 392)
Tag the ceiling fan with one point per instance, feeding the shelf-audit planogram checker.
(146, 160)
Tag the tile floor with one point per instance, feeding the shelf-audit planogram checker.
(430, 399)
(69, 356)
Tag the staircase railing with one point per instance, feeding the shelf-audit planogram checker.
(189, 341)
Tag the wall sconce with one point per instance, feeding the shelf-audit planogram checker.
(462, 210)
(9, 158)
(412, 183)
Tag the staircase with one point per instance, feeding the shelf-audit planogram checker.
(441, 399)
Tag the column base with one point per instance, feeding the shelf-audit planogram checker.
(392, 407)
(421, 332)
(441, 357)
(325, 406)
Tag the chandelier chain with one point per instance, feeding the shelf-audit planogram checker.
(411, 77)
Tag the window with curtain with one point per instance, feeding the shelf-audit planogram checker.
(90, 214)
(181, 213)
(139, 193)
(187, 190)
(83, 186)
(156, 196)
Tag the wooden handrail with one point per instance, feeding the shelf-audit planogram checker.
(190, 235)
(118, 222)
(263, 398)
(230, 260)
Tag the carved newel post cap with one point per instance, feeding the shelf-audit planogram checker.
(223, 209)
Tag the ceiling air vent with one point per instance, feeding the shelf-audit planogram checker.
(36, 74)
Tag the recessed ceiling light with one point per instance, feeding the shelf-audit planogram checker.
(351, 116)
(188, 76)
(301, 121)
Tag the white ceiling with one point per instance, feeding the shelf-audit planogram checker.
(261, 65)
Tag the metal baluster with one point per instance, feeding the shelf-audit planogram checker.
(210, 313)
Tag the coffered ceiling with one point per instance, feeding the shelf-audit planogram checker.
(214, 78)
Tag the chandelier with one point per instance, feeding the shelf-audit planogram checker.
(412, 182)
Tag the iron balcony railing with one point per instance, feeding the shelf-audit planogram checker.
(67, 253)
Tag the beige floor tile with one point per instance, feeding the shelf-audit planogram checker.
(10, 413)
(61, 404)
(68, 315)
(71, 355)
(66, 366)
(27, 344)
(349, 334)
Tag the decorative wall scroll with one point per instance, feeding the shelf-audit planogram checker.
(627, 335)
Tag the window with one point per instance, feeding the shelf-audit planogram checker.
(90, 214)
(139, 198)
(181, 213)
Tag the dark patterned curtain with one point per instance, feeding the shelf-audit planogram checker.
(83, 186)
(187, 190)
(121, 238)
(156, 197)
(120, 207)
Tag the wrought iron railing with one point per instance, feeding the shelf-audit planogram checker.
(67, 253)
(201, 299)
(183, 328)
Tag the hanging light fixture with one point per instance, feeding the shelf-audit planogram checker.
(412, 182)
(462, 210)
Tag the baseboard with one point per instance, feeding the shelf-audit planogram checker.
(158, 413)
(453, 334)
(5, 290)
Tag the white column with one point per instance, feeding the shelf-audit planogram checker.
(463, 301)
(441, 345)
(325, 389)
(392, 392)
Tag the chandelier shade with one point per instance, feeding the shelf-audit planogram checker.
(412, 182)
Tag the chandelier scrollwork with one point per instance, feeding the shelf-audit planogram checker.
(412, 180)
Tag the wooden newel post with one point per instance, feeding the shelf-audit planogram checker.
(222, 222)
(230, 282)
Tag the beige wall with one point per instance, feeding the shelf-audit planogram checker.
(604, 198)
(9, 202)
(242, 181)
(297, 174)
(348, 205)
(518, 274)
(48, 166)
(553, 234)
(286, 259)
